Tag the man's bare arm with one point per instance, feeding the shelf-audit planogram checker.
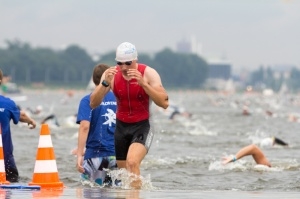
(99, 92)
(26, 119)
(154, 88)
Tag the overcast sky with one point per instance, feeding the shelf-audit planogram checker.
(249, 33)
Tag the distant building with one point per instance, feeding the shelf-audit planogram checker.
(219, 75)
(282, 71)
(184, 46)
(219, 69)
(282, 74)
(190, 45)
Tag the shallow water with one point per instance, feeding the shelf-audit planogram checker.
(185, 157)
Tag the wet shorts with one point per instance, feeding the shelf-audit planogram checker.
(128, 133)
(93, 169)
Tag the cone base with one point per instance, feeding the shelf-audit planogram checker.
(5, 182)
(48, 185)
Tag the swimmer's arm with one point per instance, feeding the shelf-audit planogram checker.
(248, 150)
(251, 149)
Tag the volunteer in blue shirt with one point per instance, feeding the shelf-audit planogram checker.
(10, 111)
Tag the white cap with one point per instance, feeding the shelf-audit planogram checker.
(39, 108)
(266, 142)
(126, 52)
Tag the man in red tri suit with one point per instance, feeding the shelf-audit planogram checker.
(135, 86)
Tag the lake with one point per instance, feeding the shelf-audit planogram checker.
(184, 160)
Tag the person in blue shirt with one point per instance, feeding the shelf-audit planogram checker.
(96, 135)
(10, 111)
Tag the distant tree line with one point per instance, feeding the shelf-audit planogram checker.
(73, 66)
(266, 77)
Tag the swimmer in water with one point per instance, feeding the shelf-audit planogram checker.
(251, 149)
(51, 119)
(272, 141)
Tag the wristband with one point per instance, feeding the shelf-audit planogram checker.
(233, 158)
(104, 83)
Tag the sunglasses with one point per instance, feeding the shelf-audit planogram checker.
(127, 63)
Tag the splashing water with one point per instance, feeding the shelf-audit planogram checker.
(126, 178)
(89, 183)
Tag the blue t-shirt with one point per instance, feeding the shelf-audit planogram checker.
(100, 140)
(8, 111)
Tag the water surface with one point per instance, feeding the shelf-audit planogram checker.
(185, 157)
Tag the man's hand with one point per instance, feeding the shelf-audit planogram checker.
(32, 124)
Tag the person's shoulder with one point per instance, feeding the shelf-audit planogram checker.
(149, 69)
(145, 66)
(7, 100)
(151, 73)
(3, 97)
(86, 97)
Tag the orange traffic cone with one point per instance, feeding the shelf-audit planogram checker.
(45, 169)
(2, 165)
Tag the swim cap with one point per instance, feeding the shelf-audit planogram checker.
(266, 142)
(39, 108)
(126, 52)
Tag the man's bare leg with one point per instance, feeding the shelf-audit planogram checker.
(136, 154)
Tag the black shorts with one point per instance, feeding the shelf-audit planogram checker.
(128, 133)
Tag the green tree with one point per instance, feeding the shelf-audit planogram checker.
(74, 66)
(181, 70)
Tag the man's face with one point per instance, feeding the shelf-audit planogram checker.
(124, 66)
